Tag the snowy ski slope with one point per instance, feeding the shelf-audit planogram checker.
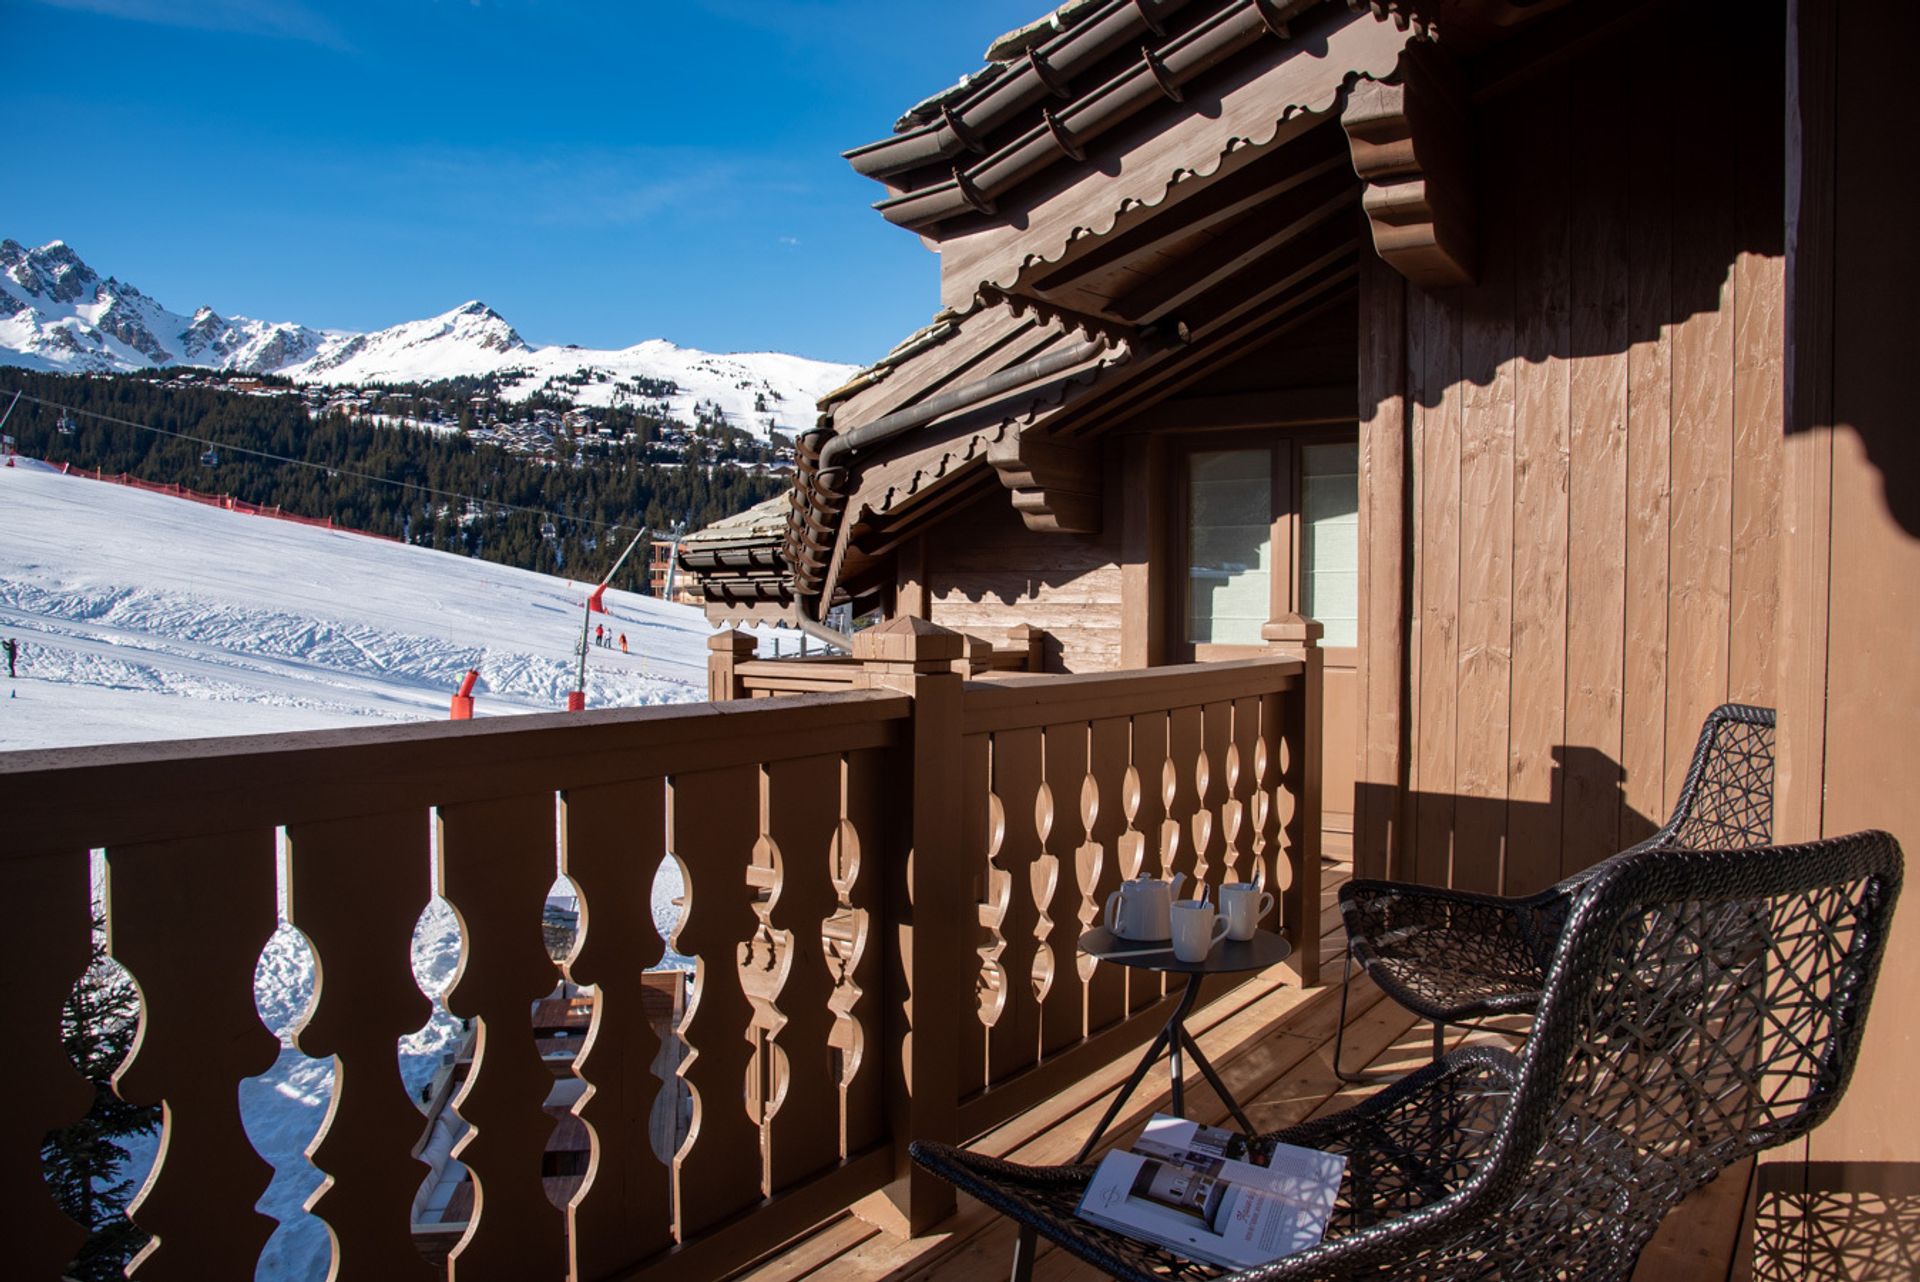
(142, 616)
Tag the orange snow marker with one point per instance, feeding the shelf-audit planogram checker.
(463, 701)
(576, 701)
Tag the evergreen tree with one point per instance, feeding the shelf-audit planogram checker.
(82, 1161)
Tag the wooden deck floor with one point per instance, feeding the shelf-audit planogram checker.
(1272, 1044)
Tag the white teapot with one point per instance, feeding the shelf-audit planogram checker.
(1142, 908)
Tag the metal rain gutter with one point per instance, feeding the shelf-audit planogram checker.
(888, 426)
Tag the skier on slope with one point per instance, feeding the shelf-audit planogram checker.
(600, 634)
(13, 657)
(623, 643)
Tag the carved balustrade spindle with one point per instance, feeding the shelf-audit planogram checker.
(1242, 786)
(1013, 1043)
(1104, 815)
(355, 888)
(985, 829)
(855, 1003)
(497, 859)
(802, 1125)
(200, 1034)
(1160, 836)
(42, 953)
(714, 826)
(612, 841)
(1185, 792)
(1064, 768)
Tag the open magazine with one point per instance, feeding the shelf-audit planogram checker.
(1187, 1187)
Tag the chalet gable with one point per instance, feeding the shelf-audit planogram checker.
(1134, 195)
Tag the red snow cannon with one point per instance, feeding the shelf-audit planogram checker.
(463, 700)
(576, 701)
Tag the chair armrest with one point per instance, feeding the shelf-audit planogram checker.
(1377, 913)
(1447, 954)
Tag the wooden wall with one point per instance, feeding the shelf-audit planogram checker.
(1851, 582)
(1590, 437)
(986, 572)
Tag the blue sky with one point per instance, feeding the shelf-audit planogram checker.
(600, 172)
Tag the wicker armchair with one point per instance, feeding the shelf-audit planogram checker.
(1699, 1007)
(1453, 957)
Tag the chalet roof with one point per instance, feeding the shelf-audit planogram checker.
(766, 517)
(1142, 186)
(1061, 96)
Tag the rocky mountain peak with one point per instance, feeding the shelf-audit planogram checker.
(52, 271)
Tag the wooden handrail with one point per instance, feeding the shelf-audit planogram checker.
(67, 798)
(1010, 703)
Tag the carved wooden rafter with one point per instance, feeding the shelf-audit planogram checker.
(1055, 484)
(1050, 313)
(1409, 141)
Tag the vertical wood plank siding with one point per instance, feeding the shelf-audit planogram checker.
(1381, 797)
(1597, 471)
(1593, 519)
(1854, 553)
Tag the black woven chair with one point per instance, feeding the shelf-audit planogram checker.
(1453, 957)
(1699, 1007)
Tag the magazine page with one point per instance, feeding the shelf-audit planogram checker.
(1178, 1190)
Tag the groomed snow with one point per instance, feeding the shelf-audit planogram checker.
(143, 617)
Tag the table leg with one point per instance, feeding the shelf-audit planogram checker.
(1219, 1087)
(1132, 1084)
(1168, 1036)
(1176, 1039)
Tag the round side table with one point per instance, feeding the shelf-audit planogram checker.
(1229, 956)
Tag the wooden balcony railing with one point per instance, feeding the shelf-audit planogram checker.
(882, 891)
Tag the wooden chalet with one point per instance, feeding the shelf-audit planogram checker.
(1530, 348)
(1354, 439)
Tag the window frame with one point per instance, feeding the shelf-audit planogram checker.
(1285, 589)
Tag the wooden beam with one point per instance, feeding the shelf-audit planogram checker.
(1410, 144)
(1055, 484)
(1226, 257)
(1222, 201)
(1280, 407)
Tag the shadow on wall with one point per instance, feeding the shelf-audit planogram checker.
(1837, 1222)
(1497, 845)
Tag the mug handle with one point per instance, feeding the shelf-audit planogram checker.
(1220, 927)
(1266, 906)
(1113, 913)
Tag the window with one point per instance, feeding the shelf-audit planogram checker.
(1329, 540)
(1267, 524)
(1229, 545)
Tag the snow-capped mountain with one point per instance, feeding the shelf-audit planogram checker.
(58, 314)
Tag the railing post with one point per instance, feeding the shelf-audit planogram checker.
(928, 888)
(725, 650)
(1300, 731)
(1024, 636)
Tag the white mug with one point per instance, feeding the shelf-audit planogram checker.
(1196, 929)
(1243, 904)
